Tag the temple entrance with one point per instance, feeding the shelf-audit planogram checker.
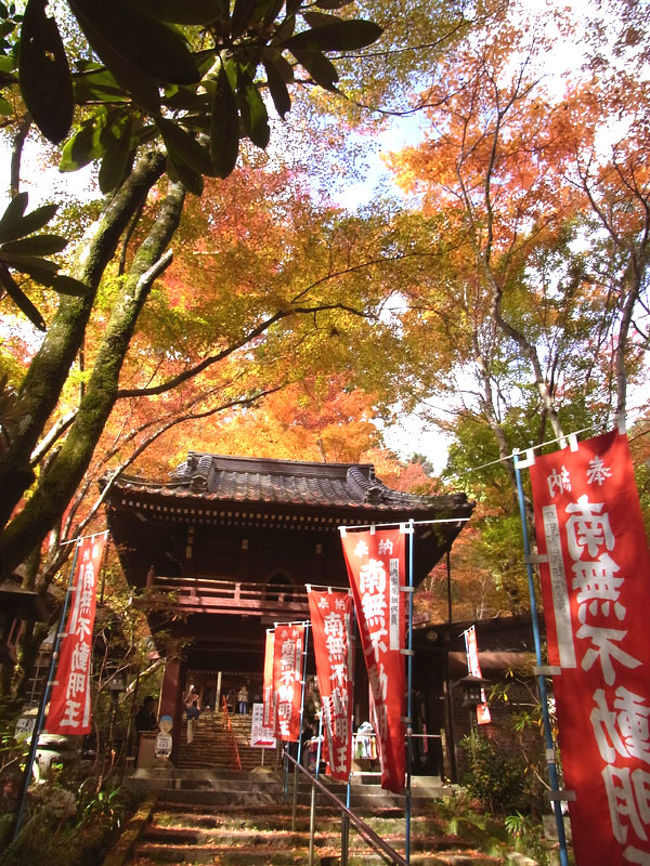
(226, 548)
(213, 687)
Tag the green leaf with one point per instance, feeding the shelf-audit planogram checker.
(43, 270)
(318, 66)
(44, 75)
(21, 300)
(97, 84)
(11, 219)
(183, 147)
(180, 11)
(138, 39)
(142, 86)
(85, 145)
(198, 123)
(181, 171)
(6, 108)
(248, 13)
(7, 64)
(116, 157)
(332, 4)
(224, 131)
(39, 245)
(282, 66)
(252, 109)
(273, 11)
(342, 36)
(319, 19)
(27, 225)
(278, 88)
(242, 15)
(187, 99)
(284, 31)
(65, 285)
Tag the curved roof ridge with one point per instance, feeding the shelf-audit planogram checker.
(312, 484)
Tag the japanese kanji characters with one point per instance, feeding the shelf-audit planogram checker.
(331, 619)
(595, 586)
(289, 642)
(376, 567)
(70, 700)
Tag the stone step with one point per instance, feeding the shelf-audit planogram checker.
(211, 746)
(239, 837)
(264, 785)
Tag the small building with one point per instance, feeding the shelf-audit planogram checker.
(222, 550)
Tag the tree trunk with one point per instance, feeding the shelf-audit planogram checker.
(65, 472)
(47, 373)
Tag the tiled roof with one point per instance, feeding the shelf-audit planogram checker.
(239, 479)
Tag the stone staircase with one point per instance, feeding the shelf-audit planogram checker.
(203, 811)
(181, 833)
(211, 747)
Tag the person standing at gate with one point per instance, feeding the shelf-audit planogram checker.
(192, 712)
(145, 718)
(242, 700)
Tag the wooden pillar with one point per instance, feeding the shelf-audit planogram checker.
(171, 698)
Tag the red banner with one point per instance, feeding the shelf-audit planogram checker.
(331, 621)
(289, 643)
(595, 588)
(483, 715)
(375, 562)
(268, 713)
(70, 701)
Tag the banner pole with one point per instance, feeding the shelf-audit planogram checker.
(548, 733)
(44, 699)
(312, 806)
(409, 698)
(302, 713)
(352, 651)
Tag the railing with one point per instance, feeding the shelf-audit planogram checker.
(227, 726)
(347, 817)
(202, 594)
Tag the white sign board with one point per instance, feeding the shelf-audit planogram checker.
(261, 737)
(25, 727)
(163, 745)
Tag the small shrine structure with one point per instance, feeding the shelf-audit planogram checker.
(223, 549)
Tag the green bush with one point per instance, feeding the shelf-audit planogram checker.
(493, 776)
(66, 828)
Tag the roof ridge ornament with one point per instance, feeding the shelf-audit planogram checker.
(203, 473)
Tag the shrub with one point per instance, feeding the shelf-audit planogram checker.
(493, 776)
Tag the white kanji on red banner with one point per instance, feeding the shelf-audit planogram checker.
(595, 587)
(289, 643)
(331, 617)
(376, 568)
(70, 701)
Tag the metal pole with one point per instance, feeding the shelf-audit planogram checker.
(285, 786)
(22, 798)
(302, 713)
(312, 809)
(449, 599)
(352, 652)
(345, 839)
(548, 733)
(409, 698)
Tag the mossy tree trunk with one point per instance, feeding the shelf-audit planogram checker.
(26, 530)
(49, 369)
